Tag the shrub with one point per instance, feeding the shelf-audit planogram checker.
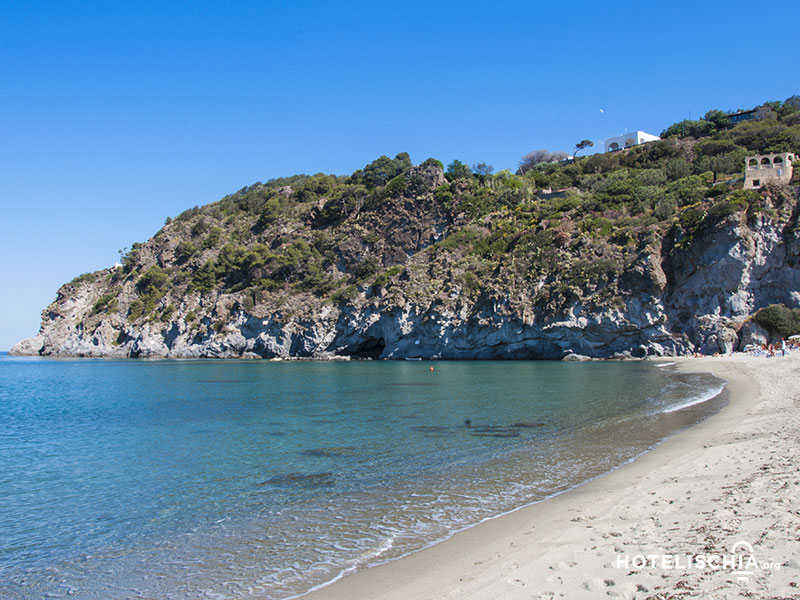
(688, 128)
(779, 320)
(153, 278)
(135, 310)
(397, 186)
(188, 214)
(665, 209)
(205, 278)
(726, 207)
(460, 240)
(200, 227)
(106, 302)
(212, 239)
(270, 213)
(185, 250)
(384, 278)
(677, 168)
(344, 294)
(598, 225)
(167, 313)
(83, 278)
(366, 268)
(345, 201)
(432, 162)
(130, 258)
(383, 169)
(443, 195)
(471, 283)
(688, 190)
(458, 170)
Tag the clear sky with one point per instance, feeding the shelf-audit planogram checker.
(115, 115)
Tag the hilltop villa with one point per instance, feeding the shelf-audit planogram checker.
(767, 168)
(741, 115)
(627, 140)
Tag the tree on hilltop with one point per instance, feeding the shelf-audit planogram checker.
(482, 169)
(717, 118)
(581, 145)
(458, 170)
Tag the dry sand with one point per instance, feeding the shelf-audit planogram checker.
(732, 478)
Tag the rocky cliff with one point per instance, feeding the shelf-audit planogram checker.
(401, 261)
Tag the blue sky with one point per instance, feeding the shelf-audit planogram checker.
(116, 115)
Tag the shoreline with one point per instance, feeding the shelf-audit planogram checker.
(567, 545)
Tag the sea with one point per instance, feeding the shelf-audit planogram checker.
(266, 479)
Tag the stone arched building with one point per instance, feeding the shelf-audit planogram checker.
(760, 169)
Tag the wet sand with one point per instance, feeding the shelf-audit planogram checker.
(732, 478)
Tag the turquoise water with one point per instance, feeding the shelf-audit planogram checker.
(221, 479)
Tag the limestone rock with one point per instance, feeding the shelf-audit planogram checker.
(753, 334)
(576, 358)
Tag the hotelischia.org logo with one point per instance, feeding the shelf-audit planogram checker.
(740, 561)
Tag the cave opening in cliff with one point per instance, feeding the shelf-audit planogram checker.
(369, 348)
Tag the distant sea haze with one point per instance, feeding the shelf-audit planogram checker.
(253, 478)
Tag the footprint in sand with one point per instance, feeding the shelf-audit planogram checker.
(594, 585)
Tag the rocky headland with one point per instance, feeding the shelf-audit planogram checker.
(642, 252)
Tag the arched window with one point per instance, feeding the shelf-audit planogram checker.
(777, 160)
(753, 162)
(765, 161)
(614, 146)
(630, 142)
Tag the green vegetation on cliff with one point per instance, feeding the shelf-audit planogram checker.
(780, 320)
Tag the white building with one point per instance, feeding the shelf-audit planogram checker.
(628, 140)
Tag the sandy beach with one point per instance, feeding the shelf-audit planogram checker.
(713, 512)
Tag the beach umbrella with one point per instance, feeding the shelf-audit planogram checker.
(794, 337)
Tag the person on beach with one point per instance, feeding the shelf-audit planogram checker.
(783, 347)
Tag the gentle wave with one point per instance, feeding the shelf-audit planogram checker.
(704, 397)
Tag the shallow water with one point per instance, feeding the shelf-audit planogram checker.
(221, 479)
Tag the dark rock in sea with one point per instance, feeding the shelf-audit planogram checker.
(302, 479)
(526, 425)
(342, 451)
(496, 434)
(489, 429)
